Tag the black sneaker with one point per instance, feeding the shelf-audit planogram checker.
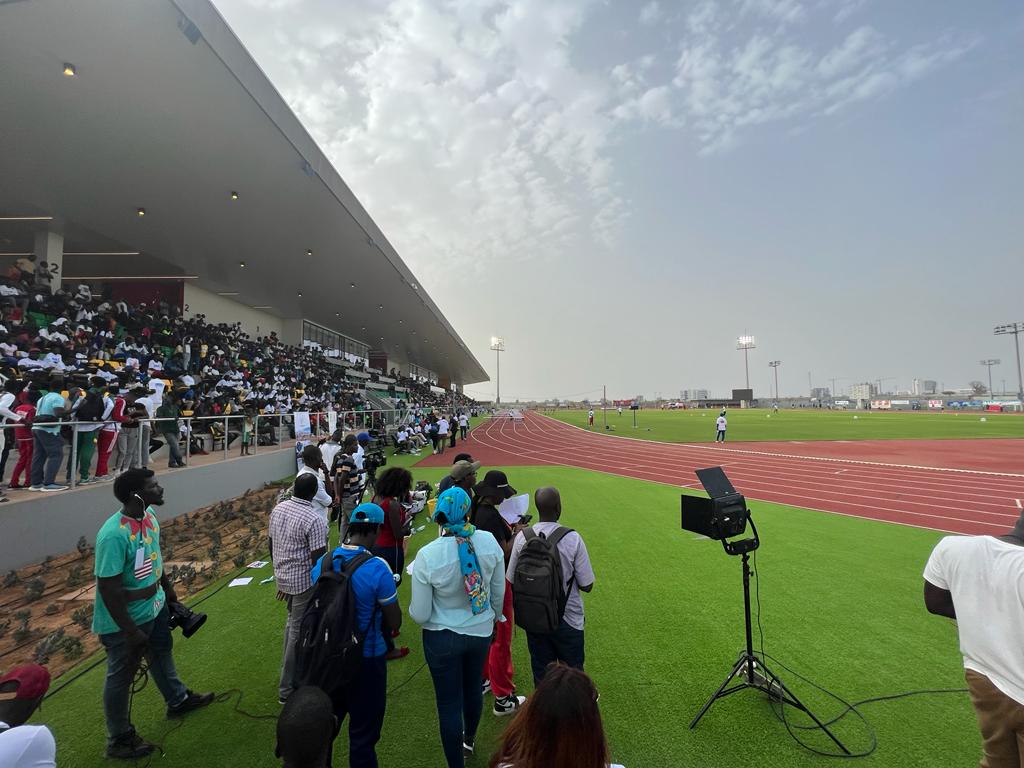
(130, 746)
(507, 705)
(191, 702)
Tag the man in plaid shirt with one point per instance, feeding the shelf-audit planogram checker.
(298, 537)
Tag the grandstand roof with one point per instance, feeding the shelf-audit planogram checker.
(169, 112)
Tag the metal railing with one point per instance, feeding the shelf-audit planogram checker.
(207, 427)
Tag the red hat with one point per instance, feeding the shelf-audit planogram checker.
(33, 681)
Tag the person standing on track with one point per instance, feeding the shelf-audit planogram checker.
(590, 418)
(442, 433)
(463, 425)
(978, 581)
(721, 424)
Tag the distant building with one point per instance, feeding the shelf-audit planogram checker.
(821, 393)
(929, 387)
(915, 388)
(700, 394)
(864, 391)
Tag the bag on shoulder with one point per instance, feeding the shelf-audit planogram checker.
(329, 650)
(539, 591)
(91, 408)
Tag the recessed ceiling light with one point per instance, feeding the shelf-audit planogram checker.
(337, 314)
(26, 218)
(351, 285)
(241, 264)
(380, 306)
(382, 338)
(69, 70)
(140, 211)
(234, 195)
(401, 321)
(300, 294)
(309, 251)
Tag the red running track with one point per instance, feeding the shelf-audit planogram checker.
(952, 499)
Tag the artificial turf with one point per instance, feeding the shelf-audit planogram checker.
(840, 602)
(760, 424)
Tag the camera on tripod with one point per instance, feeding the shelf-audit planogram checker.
(183, 616)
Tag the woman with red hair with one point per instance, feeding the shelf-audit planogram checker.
(558, 727)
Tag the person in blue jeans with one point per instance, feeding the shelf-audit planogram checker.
(48, 446)
(365, 699)
(458, 586)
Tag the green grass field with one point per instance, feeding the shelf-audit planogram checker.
(841, 603)
(697, 426)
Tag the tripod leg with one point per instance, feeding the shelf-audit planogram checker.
(802, 707)
(736, 670)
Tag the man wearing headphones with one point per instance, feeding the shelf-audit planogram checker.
(131, 614)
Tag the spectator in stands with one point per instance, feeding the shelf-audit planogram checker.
(23, 434)
(306, 729)
(565, 645)
(8, 398)
(498, 671)
(128, 450)
(313, 464)
(458, 582)
(24, 746)
(448, 481)
(560, 728)
(378, 613)
(977, 581)
(297, 539)
(391, 491)
(113, 415)
(48, 447)
(131, 614)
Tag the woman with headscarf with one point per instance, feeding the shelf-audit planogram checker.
(458, 586)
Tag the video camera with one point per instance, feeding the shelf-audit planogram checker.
(183, 616)
(722, 517)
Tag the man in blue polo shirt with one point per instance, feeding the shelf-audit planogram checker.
(377, 611)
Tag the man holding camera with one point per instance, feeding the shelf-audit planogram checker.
(132, 612)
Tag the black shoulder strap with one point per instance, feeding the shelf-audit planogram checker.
(353, 563)
(529, 533)
(556, 536)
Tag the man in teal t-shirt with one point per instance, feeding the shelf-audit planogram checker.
(48, 446)
(131, 614)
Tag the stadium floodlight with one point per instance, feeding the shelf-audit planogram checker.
(775, 364)
(746, 343)
(498, 345)
(988, 364)
(1016, 329)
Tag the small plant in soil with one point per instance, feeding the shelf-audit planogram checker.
(72, 648)
(22, 632)
(83, 546)
(76, 576)
(83, 617)
(48, 646)
(11, 579)
(51, 609)
(34, 589)
(4, 627)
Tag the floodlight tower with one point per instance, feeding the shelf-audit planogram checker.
(775, 364)
(1016, 329)
(498, 345)
(746, 343)
(988, 364)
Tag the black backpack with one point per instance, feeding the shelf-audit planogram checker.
(539, 591)
(329, 651)
(91, 408)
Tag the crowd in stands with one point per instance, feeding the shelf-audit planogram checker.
(73, 356)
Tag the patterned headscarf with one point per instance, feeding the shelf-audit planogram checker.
(454, 505)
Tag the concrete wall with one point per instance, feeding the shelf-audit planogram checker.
(51, 523)
(222, 309)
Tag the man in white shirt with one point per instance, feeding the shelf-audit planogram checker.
(590, 417)
(313, 464)
(720, 424)
(979, 582)
(442, 433)
(24, 746)
(7, 416)
(463, 425)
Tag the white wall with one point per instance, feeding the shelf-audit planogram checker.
(222, 309)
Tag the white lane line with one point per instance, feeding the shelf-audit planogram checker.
(839, 472)
(1018, 504)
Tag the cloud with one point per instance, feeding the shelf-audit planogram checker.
(650, 13)
(848, 8)
(732, 77)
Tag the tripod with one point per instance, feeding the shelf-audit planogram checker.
(750, 671)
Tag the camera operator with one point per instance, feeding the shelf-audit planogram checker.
(346, 479)
(131, 613)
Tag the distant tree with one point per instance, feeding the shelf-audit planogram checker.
(978, 388)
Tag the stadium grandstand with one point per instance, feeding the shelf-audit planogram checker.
(167, 225)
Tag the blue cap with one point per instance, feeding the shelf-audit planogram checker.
(363, 437)
(369, 513)
(454, 504)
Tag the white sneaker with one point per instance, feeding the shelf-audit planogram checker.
(507, 705)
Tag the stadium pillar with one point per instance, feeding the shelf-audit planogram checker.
(49, 251)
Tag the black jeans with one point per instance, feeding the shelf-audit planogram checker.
(565, 644)
(364, 703)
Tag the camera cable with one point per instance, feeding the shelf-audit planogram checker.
(779, 707)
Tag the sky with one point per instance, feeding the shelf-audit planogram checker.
(621, 189)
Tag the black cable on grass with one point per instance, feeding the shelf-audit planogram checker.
(779, 707)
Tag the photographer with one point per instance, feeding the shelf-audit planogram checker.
(131, 613)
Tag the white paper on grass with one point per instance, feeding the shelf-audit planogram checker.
(267, 580)
(257, 564)
(511, 510)
(241, 582)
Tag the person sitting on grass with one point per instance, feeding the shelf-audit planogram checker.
(305, 729)
(24, 746)
(559, 727)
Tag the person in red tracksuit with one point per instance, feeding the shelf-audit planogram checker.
(113, 415)
(23, 434)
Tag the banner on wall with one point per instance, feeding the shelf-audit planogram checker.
(935, 403)
(332, 421)
(881, 405)
(302, 425)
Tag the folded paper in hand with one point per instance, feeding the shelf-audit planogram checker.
(513, 509)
